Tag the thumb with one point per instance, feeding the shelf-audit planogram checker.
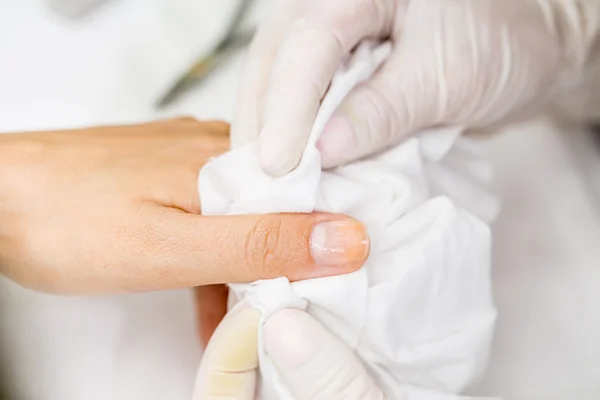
(244, 248)
(314, 363)
(228, 367)
(378, 113)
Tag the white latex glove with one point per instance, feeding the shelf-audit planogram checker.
(473, 63)
(314, 363)
(229, 365)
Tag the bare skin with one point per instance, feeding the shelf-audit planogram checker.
(116, 209)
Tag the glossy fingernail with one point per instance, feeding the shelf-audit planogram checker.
(336, 141)
(339, 243)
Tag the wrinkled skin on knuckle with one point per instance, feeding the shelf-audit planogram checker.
(268, 248)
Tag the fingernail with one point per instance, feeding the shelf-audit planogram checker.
(339, 243)
(336, 141)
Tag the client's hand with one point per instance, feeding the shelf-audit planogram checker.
(115, 209)
(313, 363)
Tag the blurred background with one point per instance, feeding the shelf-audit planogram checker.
(72, 63)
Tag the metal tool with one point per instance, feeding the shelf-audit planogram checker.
(233, 40)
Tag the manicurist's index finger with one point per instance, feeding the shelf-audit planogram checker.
(306, 59)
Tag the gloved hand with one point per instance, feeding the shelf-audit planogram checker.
(314, 363)
(473, 63)
(230, 361)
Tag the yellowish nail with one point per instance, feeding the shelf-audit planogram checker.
(340, 242)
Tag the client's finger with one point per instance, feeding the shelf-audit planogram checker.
(193, 250)
(314, 363)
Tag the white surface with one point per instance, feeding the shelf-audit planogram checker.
(420, 313)
(546, 271)
(57, 74)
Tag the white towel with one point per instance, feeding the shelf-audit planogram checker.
(420, 313)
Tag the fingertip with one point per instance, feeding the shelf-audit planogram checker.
(336, 143)
(229, 364)
(275, 159)
(313, 362)
(290, 338)
(341, 243)
(234, 345)
(318, 245)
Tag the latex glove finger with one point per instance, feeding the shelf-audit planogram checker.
(211, 307)
(474, 65)
(257, 70)
(314, 363)
(314, 38)
(398, 100)
(230, 362)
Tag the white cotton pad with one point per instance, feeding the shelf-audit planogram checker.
(420, 313)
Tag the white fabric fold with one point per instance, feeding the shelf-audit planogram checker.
(420, 313)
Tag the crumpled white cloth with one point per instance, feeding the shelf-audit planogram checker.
(420, 313)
